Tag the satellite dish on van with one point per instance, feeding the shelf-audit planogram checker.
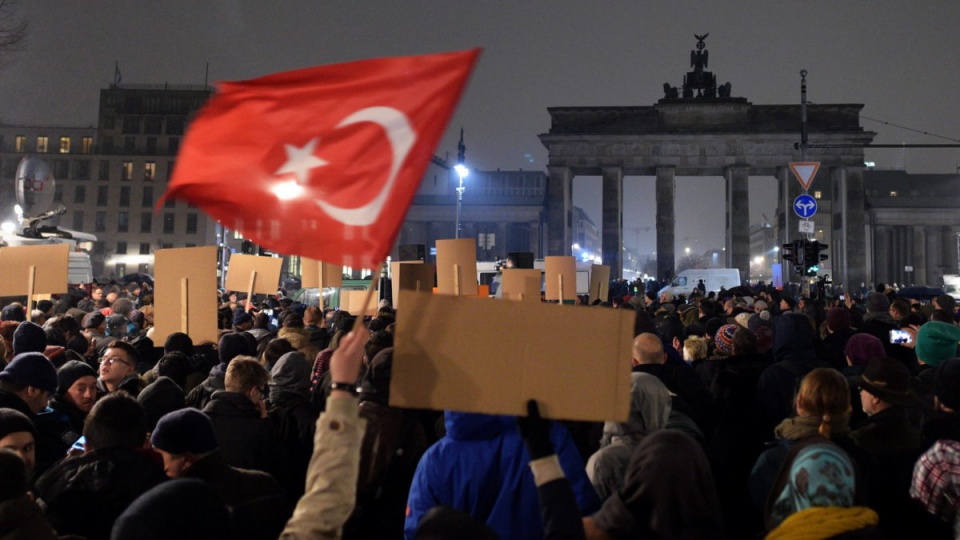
(35, 186)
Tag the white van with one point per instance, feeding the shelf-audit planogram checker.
(714, 278)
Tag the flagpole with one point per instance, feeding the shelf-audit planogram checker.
(358, 321)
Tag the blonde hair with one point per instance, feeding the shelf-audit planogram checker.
(824, 393)
(695, 348)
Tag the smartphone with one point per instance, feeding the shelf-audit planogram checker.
(842, 298)
(80, 445)
(900, 336)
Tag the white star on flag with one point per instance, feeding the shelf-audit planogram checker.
(301, 160)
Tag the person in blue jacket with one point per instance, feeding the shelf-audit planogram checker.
(481, 467)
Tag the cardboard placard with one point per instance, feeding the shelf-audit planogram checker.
(352, 301)
(242, 268)
(491, 357)
(599, 283)
(560, 266)
(521, 284)
(453, 254)
(185, 299)
(316, 274)
(50, 269)
(411, 276)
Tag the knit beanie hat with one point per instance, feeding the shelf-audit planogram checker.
(179, 509)
(946, 384)
(743, 319)
(14, 421)
(184, 430)
(724, 338)
(838, 318)
(70, 372)
(31, 369)
(877, 302)
(13, 312)
(861, 348)
(180, 342)
(29, 337)
(240, 316)
(231, 345)
(937, 342)
(159, 398)
(93, 320)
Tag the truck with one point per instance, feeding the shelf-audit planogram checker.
(714, 278)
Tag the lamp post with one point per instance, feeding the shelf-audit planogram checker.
(462, 173)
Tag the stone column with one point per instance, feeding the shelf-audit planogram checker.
(848, 182)
(612, 228)
(666, 186)
(935, 271)
(919, 274)
(500, 247)
(882, 245)
(738, 219)
(559, 210)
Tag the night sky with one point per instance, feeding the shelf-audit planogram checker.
(898, 58)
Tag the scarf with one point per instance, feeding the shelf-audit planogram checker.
(801, 427)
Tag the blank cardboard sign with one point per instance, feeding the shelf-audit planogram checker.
(411, 276)
(460, 252)
(521, 284)
(185, 299)
(352, 301)
(560, 266)
(316, 274)
(470, 355)
(50, 264)
(599, 283)
(243, 266)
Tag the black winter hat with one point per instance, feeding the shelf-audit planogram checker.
(14, 421)
(13, 312)
(93, 320)
(240, 317)
(159, 398)
(180, 342)
(946, 384)
(31, 369)
(70, 372)
(29, 337)
(233, 344)
(44, 306)
(180, 509)
(185, 430)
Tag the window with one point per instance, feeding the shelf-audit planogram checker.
(107, 144)
(170, 203)
(144, 248)
(152, 124)
(123, 221)
(145, 222)
(109, 121)
(121, 269)
(129, 144)
(127, 170)
(170, 165)
(58, 193)
(125, 196)
(147, 201)
(191, 224)
(21, 144)
(131, 124)
(102, 193)
(151, 145)
(61, 169)
(817, 194)
(121, 248)
(175, 125)
(86, 145)
(64, 145)
(104, 173)
(80, 194)
(78, 220)
(893, 193)
(150, 170)
(81, 169)
(101, 222)
(42, 143)
(168, 223)
(173, 145)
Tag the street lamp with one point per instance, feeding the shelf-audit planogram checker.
(462, 172)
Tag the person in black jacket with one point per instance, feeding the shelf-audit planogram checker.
(83, 495)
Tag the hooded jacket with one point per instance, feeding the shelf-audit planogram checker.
(481, 467)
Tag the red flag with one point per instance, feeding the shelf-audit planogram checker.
(321, 162)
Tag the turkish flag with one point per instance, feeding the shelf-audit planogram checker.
(321, 162)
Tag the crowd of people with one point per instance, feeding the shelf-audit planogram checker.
(752, 414)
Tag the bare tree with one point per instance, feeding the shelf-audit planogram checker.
(13, 27)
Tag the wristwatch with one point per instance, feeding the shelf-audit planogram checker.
(351, 388)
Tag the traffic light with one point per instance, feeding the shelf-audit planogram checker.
(786, 251)
(812, 256)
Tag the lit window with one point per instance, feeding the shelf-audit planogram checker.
(42, 143)
(149, 170)
(127, 169)
(64, 145)
(817, 194)
(893, 193)
(21, 143)
(87, 145)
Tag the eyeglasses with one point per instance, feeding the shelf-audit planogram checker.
(110, 360)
